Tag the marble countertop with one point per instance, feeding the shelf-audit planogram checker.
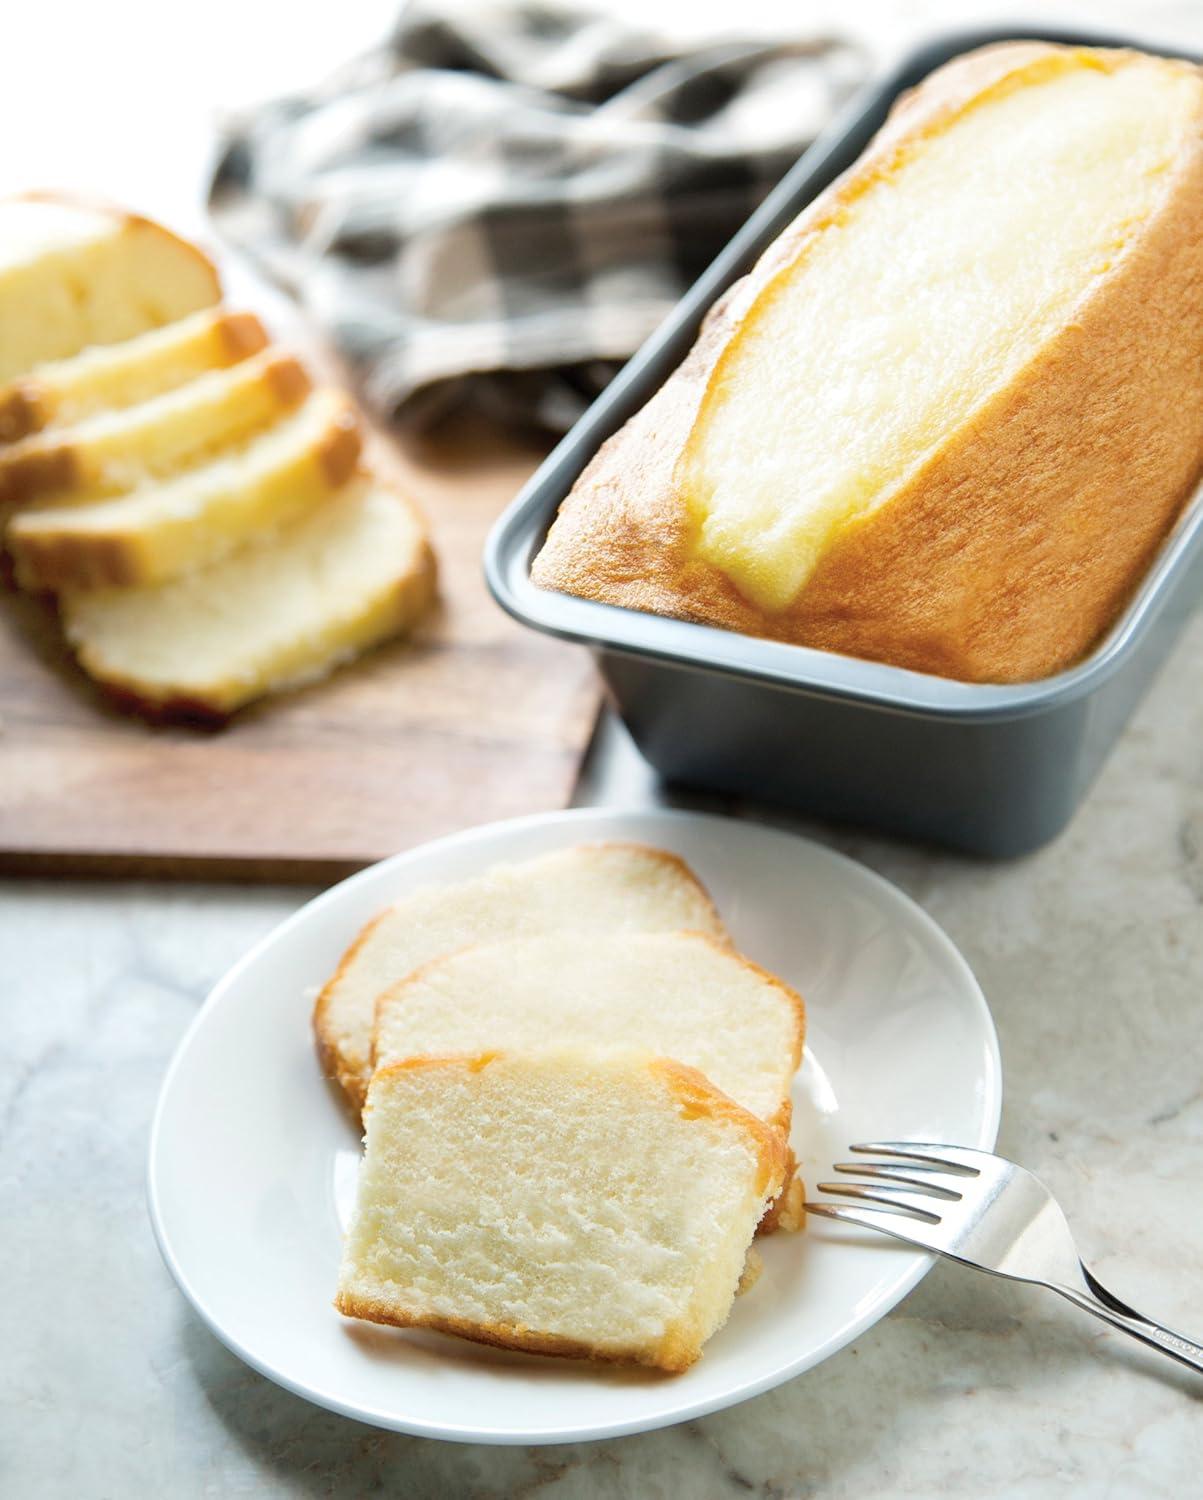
(1091, 954)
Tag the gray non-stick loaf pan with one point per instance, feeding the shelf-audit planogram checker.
(991, 769)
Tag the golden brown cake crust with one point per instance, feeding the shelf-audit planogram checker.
(340, 448)
(242, 334)
(696, 1095)
(289, 379)
(507, 1336)
(1013, 548)
(21, 410)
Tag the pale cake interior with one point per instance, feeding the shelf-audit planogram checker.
(559, 1196)
(614, 888)
(117, 450)
(109, 377)
(675, 994)
(71, 276)
(267, 617)
(926, 293)
(249, 490)
(31, 228)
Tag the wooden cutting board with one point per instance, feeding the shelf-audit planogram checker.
(474, 718)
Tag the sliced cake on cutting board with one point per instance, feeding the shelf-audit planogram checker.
(156, 532)
(270, 617)
(106, 377)
(113, 452)
(206, 518)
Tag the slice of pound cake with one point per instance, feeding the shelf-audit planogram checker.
(674, 994)
(683, 995)
(74, 274)
(353, 573)
(598, 888)
(591, 1206)
(115, 451)
(113, 376)
(159, 531)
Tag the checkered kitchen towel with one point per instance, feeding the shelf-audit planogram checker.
(497, 206)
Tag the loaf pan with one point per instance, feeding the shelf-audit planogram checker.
(993, 770)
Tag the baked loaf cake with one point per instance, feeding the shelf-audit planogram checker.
(355, 572)
(561, 1202)
(674, 994)
(112, 376)
(594, 888)
(952, 412)
(74, 274)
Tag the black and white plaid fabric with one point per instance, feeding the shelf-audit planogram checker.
(498, 206)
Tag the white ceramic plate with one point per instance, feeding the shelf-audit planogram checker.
(253, 1162)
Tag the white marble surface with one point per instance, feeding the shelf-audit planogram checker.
(1091, 953)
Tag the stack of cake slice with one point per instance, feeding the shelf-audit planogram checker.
(203, 515)
(576, 1095)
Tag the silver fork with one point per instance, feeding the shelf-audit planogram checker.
(989, 1213)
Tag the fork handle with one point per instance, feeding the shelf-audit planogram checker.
(1103, 1304)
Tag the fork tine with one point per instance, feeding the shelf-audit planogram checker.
(898, 1198)
(952, 1158)
(899, 1225)
(938, 1184)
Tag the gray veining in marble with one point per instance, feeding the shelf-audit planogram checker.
(1091, 953)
